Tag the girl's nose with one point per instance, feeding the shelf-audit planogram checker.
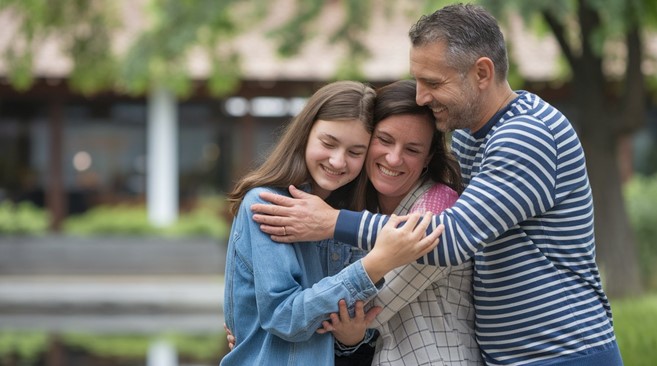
(338, 160)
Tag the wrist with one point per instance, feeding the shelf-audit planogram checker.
(332, 221)
(374, 267)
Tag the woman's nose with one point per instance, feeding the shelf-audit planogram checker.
(393, 158)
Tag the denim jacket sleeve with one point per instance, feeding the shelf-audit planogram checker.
(288, 306)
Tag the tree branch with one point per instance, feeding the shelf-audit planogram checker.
(559, 32)
(634, 98)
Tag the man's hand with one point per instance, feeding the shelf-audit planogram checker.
(398, 245)
(305, 217)
(349, 331)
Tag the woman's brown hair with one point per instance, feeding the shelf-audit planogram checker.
(398, 98)
(286, 164)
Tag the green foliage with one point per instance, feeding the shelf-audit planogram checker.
(82, 30)
(297, 30)
(351, 32)
(640, 197)
(635, 325)
(204, 220)
(161, 53)
(27, 347)
(110, 220)
(22, 218)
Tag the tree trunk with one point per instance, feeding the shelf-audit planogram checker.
(615, 245)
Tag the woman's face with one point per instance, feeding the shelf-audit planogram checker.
(335, 154)
(398, 153)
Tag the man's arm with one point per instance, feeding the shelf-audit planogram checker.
(302, 217)
(516, 181)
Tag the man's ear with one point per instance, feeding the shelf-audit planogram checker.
(484, 71)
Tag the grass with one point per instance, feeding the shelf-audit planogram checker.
(635, 324)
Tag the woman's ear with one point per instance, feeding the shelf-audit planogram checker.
(427, 161)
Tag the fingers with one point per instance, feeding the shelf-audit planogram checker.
(326, 327)
(424, 223)
(297, 193)
(278, 231)
(270, 219)
(344, 313)
(277, 199)
(372, 313)
(431, 241)
(229, 338)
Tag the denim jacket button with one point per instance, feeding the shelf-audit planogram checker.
(335, 256)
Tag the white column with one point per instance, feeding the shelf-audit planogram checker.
(162, 157)
(161, 353)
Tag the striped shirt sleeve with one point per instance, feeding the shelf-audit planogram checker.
(515, 181)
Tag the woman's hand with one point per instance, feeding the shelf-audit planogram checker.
(398, 245)
(304, 217)
(347, 330)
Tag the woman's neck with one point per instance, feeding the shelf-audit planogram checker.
(387, 205)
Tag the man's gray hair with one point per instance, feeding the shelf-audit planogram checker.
(469, 31)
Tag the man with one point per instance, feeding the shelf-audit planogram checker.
(526, 215)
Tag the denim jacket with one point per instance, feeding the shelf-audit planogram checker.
(335, 256)
(276, 295)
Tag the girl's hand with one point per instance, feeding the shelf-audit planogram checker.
(398, 245)
(347, 330)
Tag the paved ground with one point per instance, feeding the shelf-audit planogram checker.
(187, 304)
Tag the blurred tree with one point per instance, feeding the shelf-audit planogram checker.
(173, 29)
(608, 106)
(81, 27)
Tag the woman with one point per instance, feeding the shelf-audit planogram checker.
(427, 312)
(275, 295)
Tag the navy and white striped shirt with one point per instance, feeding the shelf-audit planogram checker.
(526, 216)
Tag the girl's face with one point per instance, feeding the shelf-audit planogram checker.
(398, 153)
(335, 154)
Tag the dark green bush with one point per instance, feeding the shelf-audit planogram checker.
(641, 203)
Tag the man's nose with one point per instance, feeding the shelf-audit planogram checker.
(422, 95)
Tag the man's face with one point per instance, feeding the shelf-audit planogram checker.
(453, 97)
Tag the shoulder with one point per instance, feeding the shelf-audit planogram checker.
(436, 199)
(441, 190)
(253, 196)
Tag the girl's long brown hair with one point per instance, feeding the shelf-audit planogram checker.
(286, 164)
